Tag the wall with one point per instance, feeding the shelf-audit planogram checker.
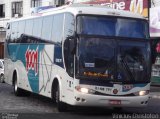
(155, 3)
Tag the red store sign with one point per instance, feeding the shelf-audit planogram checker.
(136, 6)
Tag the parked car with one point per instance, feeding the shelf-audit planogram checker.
(1, 70)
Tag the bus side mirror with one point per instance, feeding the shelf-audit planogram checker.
(72, 44)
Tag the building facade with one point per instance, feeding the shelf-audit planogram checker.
(20, 8)
(155, 3)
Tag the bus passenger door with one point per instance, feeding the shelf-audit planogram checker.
(69, 64)
(69, 56)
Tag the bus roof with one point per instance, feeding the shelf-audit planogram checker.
(92, 9)
(85, 9)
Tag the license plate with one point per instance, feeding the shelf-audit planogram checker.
(115, 102)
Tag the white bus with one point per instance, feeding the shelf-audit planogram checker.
(81, 55)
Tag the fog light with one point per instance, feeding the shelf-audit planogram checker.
(78, 99)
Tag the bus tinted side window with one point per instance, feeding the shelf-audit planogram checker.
(14, 27)
(57, 29)
(21, 28)
(69, 44)
(47, 27)
(1, 65)
(69, 25)
(29, 27)
(37, 27)
(8, 32)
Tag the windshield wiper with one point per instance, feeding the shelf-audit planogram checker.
(126, 67)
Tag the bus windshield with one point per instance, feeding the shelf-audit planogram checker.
(113, 49)
(101, 58)
(112, 26)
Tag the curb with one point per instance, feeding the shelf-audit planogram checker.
(155, 95)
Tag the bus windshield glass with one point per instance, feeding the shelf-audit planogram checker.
(112, 26)
(99, 58)
(113, 49)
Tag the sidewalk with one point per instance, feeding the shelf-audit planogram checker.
(155, 95)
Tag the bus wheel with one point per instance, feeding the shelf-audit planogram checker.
(62, 107)
(19, 91)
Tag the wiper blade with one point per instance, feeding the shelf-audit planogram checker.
(126, 67)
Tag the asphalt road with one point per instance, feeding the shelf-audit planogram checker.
(38, 107)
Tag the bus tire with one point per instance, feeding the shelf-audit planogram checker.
(62, 107)
(19, 91)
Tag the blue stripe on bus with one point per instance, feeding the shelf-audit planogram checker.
(139, 85)
(58, 60)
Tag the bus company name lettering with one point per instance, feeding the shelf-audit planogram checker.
(31, 57)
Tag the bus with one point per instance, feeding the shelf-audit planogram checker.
(81, 55)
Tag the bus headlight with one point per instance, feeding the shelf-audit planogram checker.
(84, 90)
(142, 93)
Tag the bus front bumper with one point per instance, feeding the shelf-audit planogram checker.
(110, 101)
